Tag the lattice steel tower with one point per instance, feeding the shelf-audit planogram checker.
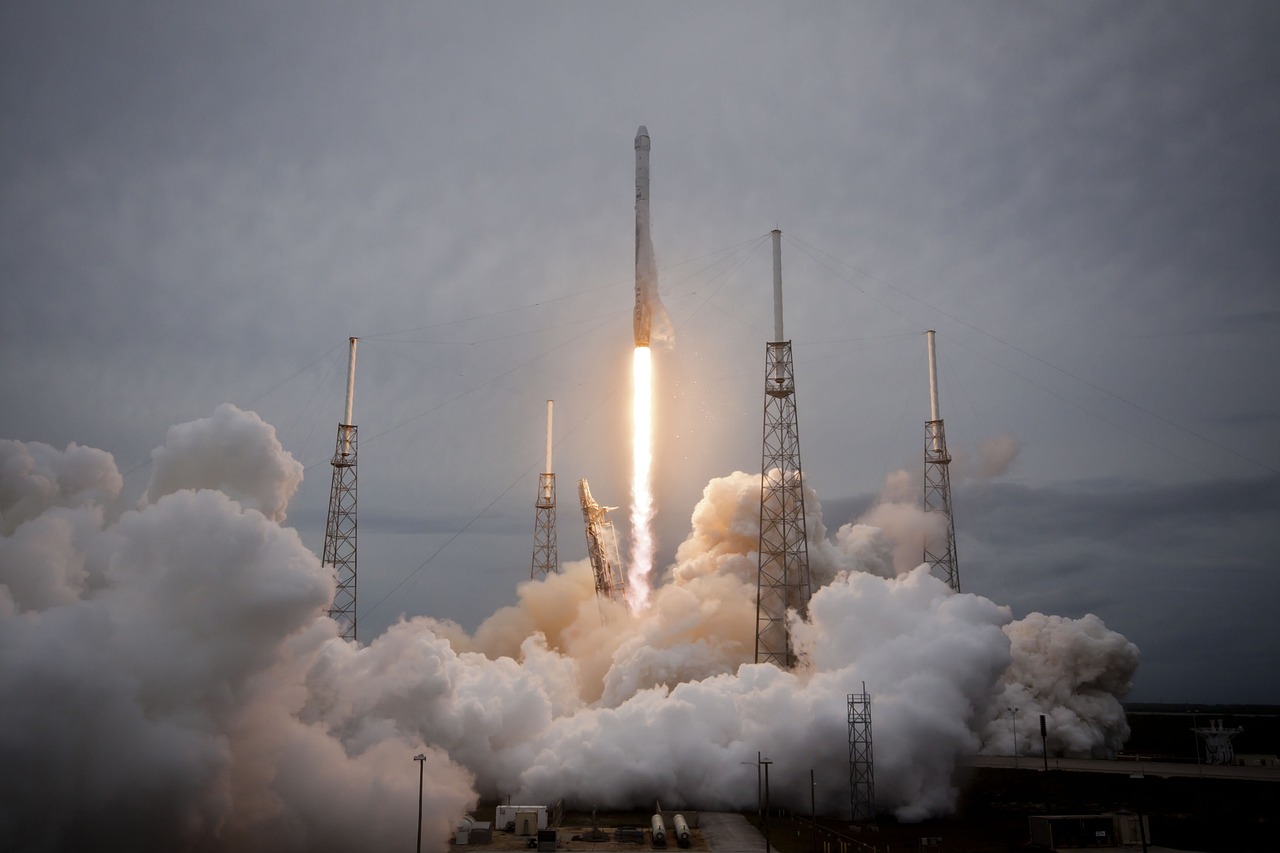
(862, 777)
(940, 555)
(340, 530)
(546, 561)
(783, 580)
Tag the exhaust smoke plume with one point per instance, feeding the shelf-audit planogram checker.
(169, 677)
(642, 548)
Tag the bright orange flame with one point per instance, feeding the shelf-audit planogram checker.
(641, 479)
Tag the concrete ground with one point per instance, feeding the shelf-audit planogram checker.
(726, 832)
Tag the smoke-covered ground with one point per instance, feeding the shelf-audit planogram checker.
(169, 678)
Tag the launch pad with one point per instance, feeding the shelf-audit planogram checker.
(603, 831)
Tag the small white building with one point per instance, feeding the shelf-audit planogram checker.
(521, 820)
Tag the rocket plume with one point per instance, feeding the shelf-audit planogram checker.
(641, 479)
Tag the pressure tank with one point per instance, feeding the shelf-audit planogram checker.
(682, 830)
(659, 829)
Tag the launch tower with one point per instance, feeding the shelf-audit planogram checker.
(941, 556)
(602, 547)
(340, 529)
(783, 580)
(545, 559)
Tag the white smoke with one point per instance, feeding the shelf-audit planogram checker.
(170, 676)
(234, 452)
(152, 666)
(1073, 671)
(994, 458)
(35, 477)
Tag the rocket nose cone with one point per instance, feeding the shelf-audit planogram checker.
(642, 136)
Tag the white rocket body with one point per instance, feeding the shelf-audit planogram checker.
(651, 321)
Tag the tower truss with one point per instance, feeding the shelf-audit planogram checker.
(545, 557)
(939, 552)
(546, 560)
(783, 579)
(862, 779)
(340, 531)
(340, 527)
(939, 555)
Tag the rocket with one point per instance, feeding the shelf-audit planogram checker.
(651, 321)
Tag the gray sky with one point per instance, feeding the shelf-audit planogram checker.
(199, 203)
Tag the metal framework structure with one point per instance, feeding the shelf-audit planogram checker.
(546, 560)
(783, 580)
(1217, 742)
(545, 557)
(340, 531)
(941, 556)
(862, 780)
(602, 547)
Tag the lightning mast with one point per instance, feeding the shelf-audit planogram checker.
(602, 547)
(783, 580)
(340, 530)
(941, 556)
(545, 559)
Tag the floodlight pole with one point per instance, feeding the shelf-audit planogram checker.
(759, 789)
(813, 811)
(421, 758)
(765, 763)
(1014, 720)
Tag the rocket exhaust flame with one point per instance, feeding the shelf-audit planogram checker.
(642, 548)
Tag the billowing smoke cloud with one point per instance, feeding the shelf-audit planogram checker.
(994, 458)
(152, 666)
(35, 477)
(233, 452)
(1073, 671)
(170, 676)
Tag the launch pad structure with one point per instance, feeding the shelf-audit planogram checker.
(546, 560)
(602, 547)
(783, 579)
(340, 527)
(940, 555)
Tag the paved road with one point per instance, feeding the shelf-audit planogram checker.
(727, 832)
(1146, 768)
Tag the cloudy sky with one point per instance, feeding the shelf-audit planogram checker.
(200, 203)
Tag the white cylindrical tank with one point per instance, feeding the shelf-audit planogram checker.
(682, 830)
(659, 829)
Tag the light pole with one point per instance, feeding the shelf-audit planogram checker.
(813, 811)
(759, 800)
(765, 763)
(1014, 720)
(421, 758)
